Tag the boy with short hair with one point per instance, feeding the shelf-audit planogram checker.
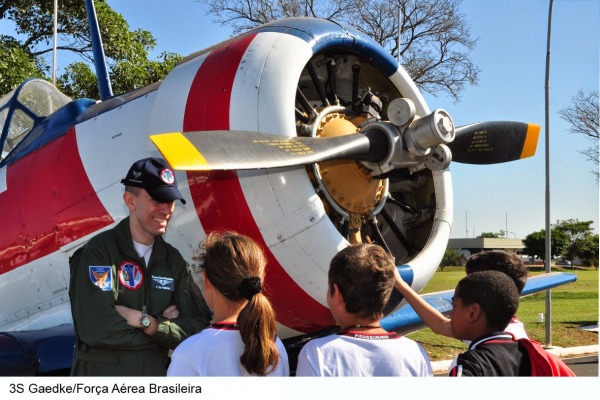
(484, 303)
(361, 279)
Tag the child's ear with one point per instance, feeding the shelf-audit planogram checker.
(475, 312)
(337, 295)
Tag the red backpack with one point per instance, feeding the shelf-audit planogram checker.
(542, 362)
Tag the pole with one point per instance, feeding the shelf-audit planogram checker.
(548, 256)
(55, 40)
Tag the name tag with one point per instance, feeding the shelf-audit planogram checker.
(163, 283)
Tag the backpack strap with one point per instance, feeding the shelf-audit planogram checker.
(544, 363)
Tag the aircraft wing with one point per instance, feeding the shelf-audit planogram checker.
(405, 320)
(547, 281)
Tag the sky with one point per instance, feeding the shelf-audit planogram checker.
(511, 54)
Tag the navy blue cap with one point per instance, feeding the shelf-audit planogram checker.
(157, 177)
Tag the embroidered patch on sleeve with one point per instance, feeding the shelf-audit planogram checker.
(101, 276)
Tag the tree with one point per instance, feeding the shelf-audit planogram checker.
(588, 250)
(16, 64)
(435, 37)
(493, 235)
(535, 243)
(576, 232)
(451, 258)
(583, 116)
(80, 81)
(127, 51)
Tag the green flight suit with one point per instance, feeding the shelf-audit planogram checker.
(108, 272)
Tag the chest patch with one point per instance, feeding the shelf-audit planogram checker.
(163, 283)
(102, 277)
(131, 275)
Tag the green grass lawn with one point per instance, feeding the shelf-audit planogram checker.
(573, 305)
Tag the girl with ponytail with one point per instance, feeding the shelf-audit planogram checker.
(243, 340)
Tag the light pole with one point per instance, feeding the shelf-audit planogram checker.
(548, 230)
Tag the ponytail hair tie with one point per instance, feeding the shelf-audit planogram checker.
(249, 287)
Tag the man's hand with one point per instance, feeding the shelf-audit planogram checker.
(171, 312)
(134, 318)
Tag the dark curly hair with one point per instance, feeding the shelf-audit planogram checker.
(499, 260)
(495, 293)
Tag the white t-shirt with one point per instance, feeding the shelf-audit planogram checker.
(216, 351)
(517, 328)
(355, 353)
(143, 250)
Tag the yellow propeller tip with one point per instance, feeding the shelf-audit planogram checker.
(179, 152)
(531, 140)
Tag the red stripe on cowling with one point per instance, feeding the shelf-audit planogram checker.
(49, 202)
(218, 196)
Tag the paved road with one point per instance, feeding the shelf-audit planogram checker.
(585, 365)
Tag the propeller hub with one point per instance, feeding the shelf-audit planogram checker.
(347, 185)
(428, 131)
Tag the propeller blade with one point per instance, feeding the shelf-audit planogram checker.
(231, 150)
(494, 142)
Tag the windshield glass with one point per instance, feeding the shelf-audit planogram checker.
(24, 107)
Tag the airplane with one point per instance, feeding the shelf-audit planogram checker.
(303, 134)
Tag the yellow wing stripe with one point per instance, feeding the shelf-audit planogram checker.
(179, 152)
(531, 139)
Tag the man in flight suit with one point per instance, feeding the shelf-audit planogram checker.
(132, 296)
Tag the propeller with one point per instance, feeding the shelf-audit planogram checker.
(233, 149)
(494, 142)
(380, 145)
